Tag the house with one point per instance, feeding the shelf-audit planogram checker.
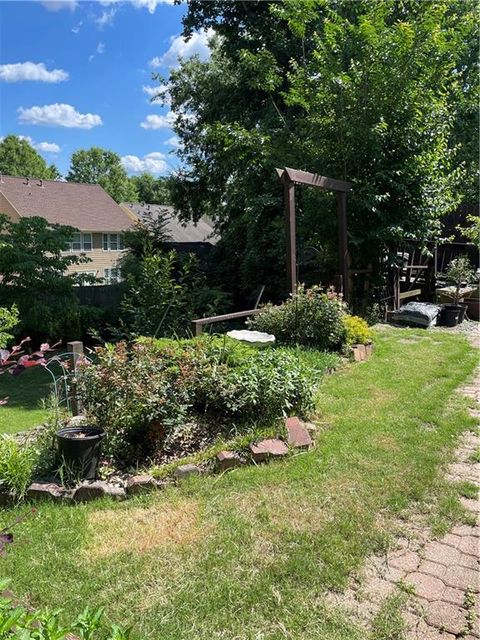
(192, 237)
(87, 207)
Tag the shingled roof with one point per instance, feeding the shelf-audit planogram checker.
(179, 232)
(84, 206)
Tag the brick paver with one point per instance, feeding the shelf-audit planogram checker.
(443, 575)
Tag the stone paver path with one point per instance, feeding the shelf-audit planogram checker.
(442, 576)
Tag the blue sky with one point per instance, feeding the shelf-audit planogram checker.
(89, 74)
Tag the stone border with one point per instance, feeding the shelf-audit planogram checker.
(298, 437)
(361, 352)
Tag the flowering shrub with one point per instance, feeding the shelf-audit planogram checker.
(310, 317)
(142, 395)
(358, 331)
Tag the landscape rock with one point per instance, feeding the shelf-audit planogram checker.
(97, 489)
(140, 484)
(266, 448)
(228, 460)
(45, 491)
(186, 470)
(358, 352)
(298, 436)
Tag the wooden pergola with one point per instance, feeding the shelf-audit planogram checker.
(291, 177)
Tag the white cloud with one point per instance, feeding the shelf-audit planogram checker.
(106, 18)
(150, 5)
(58, 5)
(76, 28)
(181, 48)
(152, 163)
(174, 142)
(47, 147)
(43, 147)
(150, 91)
(158, 122)
(100, 48)
(58, 115)
(22, 71)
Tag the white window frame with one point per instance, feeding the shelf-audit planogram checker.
(82, 240)
(108, 276)
(107, 241)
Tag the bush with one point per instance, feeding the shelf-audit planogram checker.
(311, 317)
(145, 394)
(262, 387)
(17, 463)
(17, 622)
(358, 331)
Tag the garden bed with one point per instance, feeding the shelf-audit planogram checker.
(195, 560)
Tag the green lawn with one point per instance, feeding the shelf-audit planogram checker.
(250, 555)
(25, 394)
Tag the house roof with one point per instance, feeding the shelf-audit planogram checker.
(181, 232)
(84, 206)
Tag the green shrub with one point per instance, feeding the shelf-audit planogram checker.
(358, 331)
(145, 394)
(8, 320)
(311, 317)
(17, 622)
(17, 463)
(261, 387)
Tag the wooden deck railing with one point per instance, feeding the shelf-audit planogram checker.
(201, 322)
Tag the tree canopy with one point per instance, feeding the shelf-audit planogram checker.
(19, 158)
(367, 91)
(103, 167)
(34, 277)
(150, 189)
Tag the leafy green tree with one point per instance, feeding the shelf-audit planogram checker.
(103, 167)
(34, 278)
(151, 190)
(19, 158)
(364, 90)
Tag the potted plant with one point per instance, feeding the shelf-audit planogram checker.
(458, 273)
(79, 449)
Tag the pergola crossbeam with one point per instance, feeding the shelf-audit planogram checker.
(290, 177)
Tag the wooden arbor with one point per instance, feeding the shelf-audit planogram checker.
(290, 177)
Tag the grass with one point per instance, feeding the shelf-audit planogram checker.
(251, 554)
(25, 394)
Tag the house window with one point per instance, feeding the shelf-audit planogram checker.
(85, 282)
(112, 242)
(81, 242)
(111, 275)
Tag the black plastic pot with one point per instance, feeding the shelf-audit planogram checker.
(80, 449)
(451, 314)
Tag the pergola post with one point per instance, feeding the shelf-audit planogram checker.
(290, 224)
(343, 257)
(290, 177)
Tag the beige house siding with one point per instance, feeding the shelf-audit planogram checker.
(99, 258)
(8, 209)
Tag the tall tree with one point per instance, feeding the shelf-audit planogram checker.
(103, 167)
(19, 158)
(151, 190)
(34, 278)
(364, 90)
